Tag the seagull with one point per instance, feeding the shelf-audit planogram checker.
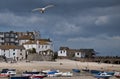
(42, 10)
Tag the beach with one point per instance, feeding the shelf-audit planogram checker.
(62, 65)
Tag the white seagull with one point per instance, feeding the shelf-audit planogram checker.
(42, 10)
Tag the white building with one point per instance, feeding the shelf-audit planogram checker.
(12, 51)
(40, 45)
(65, 52)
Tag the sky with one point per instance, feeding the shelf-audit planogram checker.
(76, 24)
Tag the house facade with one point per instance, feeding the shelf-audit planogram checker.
(39, 45)
(65, 52)
(12, 51)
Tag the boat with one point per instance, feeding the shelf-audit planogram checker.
(7, 72)
(58, 74)
(117, 74)
(67, 74)
(18, 77)
(28, 74)
(37, 76)
(110, 73)
(95, 72)
(86, 70)
(53, 73)
(103, 75)
(76, 70)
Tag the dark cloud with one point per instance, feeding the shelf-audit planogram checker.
(73, 23)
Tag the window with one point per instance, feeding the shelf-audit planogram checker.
(38, 46)
(7, 39)
(12, 35)
(20, 53)
(12, 39)
(42, 46)
(7, 34)
(21, 50)
(13, 53)
(77, 53)
(46, 46)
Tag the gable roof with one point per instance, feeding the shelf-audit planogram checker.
(25, 37)
(7, 47)
(40, 41)
(77, 50)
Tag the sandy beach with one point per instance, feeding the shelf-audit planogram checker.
(62, 65)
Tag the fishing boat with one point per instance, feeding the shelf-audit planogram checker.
(95, 72)
(37, 76)
(7, 72)
(18, 77)
(67, 74)
(76, 70)
(103, 75)
(28, 74)
(53, 73)
(117, 74)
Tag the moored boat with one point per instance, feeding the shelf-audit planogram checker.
(7, 72)
(76, 70)
(28, 74)
(117, 74)
(103, 75)
(67, 74)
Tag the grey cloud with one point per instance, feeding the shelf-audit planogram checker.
(75, 23)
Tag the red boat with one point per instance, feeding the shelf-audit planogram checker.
(4, 75)
(38, 76)
(117, 74)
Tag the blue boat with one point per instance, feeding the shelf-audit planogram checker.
(95, 72)
(110, 73)
(52, 72)
(76, 70)
(19, 77)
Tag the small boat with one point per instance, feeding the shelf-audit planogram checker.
(86, 70)
(28, 74)
(103, 75)
(58, 74)
(53, 73)
(37, 76)
(67, 74)
(110, 73)
(19, 77)
(95, 72)
(76, 70)
(117, 74)
(7, 72)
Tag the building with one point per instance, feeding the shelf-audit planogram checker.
(8, 38)
(15, 38)
(39, 45)
(12, 51)
(11, 42)
(65, 52)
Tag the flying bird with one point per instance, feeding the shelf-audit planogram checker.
(42, 10)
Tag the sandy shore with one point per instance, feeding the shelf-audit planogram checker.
(63, 65)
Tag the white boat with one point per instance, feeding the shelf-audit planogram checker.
(67, 74)
(103, 75)
(7, 72)
(58, 74)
